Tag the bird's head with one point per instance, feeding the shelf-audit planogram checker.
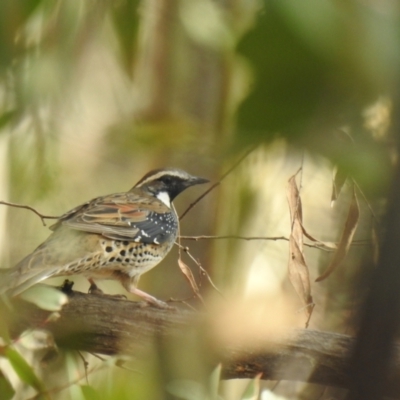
(167, 183)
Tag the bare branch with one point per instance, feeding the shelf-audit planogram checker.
(40, 215)
(205, 237)
(300, 355)
(236, 164)
(317, 245)
(202, 270)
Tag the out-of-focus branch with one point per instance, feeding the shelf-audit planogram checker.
(107, 325)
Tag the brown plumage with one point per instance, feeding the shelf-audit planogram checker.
(119, 236)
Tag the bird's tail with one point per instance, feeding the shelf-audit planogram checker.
(25, 274)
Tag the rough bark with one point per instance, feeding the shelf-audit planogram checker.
(106, 325)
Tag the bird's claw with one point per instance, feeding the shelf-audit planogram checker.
(94, 289)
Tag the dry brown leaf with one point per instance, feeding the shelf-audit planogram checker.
(328, 245)
(296, 217)
(297, 266)
(299, 275)
(375, 245)
(294, 200)
(187, 272)
(346, 238)
(338, 181)
(296, 212)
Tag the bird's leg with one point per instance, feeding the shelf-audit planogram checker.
(94, 289)
(148, 298)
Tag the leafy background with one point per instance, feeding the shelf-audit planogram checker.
(93, 94)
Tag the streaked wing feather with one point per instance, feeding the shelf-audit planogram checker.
(120, 217)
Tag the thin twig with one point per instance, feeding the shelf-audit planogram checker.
(85, 366)
(97, 356)
(68, 384)
(186, 250)
(203, 237)
(40, 215)
(236, 164)
(193, 283)
(366, 200)
(183, 301)
(320, 245)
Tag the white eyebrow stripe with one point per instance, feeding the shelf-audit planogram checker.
(160, 174)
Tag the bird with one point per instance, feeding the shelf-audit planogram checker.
(118, 236)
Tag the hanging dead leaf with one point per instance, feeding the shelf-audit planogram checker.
(296, 212)
(187, 272)
(339, 179)
(375, 245)
(297, 266)
(320, 243)
(299, 275)
(296, 217)
(294, 200)
(345, 239)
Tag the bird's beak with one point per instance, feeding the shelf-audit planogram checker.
(195, 180)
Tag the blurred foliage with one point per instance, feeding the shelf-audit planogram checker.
(317, 66)
(95, 93)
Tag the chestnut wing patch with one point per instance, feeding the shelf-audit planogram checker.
(145, 223)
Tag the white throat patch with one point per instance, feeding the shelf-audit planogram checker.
(164, 197)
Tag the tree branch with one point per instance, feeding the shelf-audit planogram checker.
(40, 215)
(107, 325)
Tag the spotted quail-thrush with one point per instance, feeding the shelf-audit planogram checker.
(119, 236)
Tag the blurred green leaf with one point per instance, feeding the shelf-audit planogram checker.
(33, 163)
(6, 118)
(289, 77)
(126, 22)
(90, 393)
(303, 81)
(45, 297)
(6, 390)
(13, 15)
(252, 390)
(23, 369)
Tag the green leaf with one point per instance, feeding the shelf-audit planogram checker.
(6, 390)
(45, 297)
(125, 17)
(23, 369)
(6, 118)
(252, 390)
(89, 393)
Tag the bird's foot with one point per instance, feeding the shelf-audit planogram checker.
(94, 289)
(149, 299)
(157, 304)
